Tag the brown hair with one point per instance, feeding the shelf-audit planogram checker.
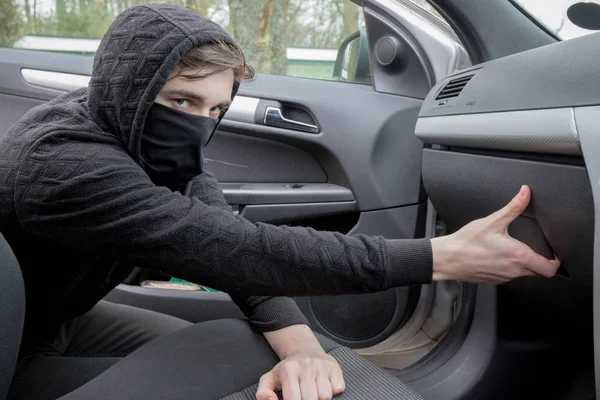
(212, 59)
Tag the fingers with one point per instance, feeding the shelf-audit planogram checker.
(337, 381)
(514, 208)
(317, 378)
(542, 266)
(538, 264)
(324, 388)
(308, 388)
(267, 386)
(289, 382)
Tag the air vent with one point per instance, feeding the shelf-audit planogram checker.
(454, 87)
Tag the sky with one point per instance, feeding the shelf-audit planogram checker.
(549, 12)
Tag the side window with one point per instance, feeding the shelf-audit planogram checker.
(319, 39)
(310, 39)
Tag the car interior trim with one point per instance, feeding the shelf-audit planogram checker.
(444, 52)
(281, 193)
(54, 80)
(587, 122)
(558, 75)
(242, 109)
(410, 328)
(284, 213)
(274, 117)
(552, 131)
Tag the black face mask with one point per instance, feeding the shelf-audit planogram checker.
(172, 144)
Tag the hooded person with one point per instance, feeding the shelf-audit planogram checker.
(110, 176)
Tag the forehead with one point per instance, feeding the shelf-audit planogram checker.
(214, 87)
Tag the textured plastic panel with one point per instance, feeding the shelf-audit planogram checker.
(493, 28)
(394, 223)
(539, 131)
(239, 158)
(558, 75)
(464, 187)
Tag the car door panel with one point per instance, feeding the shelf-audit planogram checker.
(365, 144)
(235, 157)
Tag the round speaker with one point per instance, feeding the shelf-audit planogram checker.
(365, 319)
(388, 52)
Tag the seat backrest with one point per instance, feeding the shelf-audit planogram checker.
(12, 314)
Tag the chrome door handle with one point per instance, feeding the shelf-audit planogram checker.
(274, 117)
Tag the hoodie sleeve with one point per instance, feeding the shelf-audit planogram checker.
(92, 197)
(265, 313)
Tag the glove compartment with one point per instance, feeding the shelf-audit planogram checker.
(464, 186)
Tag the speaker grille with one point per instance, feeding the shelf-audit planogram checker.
(356, 317)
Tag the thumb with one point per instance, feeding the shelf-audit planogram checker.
(514, 208)
(267, 386)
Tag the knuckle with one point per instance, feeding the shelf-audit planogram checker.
(337, 383)
(266, 378)
(306, 362)
(286, 368)
(338, 387)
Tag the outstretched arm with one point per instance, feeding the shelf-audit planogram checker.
(94, 198)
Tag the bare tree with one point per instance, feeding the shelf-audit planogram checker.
(349, 13)
(259, 26)
(279, 36)
(11, 23)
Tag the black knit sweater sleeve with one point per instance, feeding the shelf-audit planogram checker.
(265, 313)
(91, 197)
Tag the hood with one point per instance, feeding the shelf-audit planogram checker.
(134, 60)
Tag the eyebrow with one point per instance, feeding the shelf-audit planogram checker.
(191, 95)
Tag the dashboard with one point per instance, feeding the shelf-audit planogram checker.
(530, 118)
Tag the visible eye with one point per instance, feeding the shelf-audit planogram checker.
(217, 112)
(182, 103)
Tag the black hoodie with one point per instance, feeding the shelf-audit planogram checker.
(79, 210)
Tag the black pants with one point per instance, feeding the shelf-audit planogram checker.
(86, 347)
(122, 352)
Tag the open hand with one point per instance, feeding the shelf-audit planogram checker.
(483, 252)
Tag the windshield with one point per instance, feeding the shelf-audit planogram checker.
(553, 15)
